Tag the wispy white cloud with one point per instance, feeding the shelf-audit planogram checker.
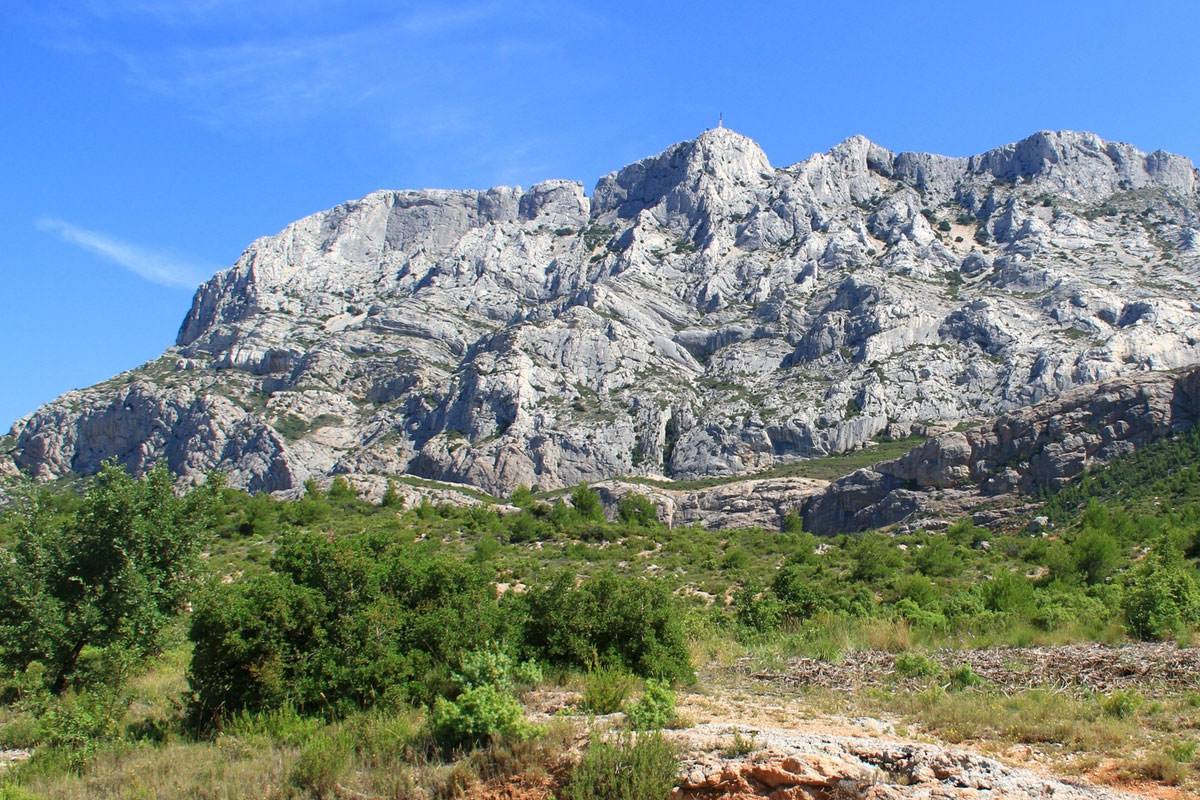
(156, 266)
(258, 67)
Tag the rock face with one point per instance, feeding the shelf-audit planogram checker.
(1036, 448)
(761, 503)
(703, 313)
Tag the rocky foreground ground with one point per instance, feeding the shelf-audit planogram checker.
(1148, 667)
(752, 733)
(794, 764)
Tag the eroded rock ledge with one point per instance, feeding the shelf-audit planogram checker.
(1040, 447)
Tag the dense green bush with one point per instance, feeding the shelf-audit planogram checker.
(798, 596)
(757, 611)
(1121, 704)
(635, 623)
(938, 558)
(476, 715)
(340, 623)
(637, 509)
(586, 503)
(1096, 555)
(655, 709)
(875, 558)
(915, 665)
(1163, 598)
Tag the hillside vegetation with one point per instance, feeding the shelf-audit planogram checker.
(223, 644)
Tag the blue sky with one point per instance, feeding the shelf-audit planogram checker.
(145, 143)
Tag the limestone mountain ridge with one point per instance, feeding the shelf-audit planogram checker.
(702, 313)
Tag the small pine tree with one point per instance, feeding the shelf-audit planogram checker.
(391, 496)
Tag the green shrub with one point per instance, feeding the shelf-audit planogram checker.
(625, 767)
(939, 558)
(586, 503)
(756, 611)
(1096, 555)
(1008, 592)
(478, 715)
(522, 497)
(655, 709)
(1162, 599)
(799, 598)
(875, 558)
(1121, 704)
(321, 763)
(493, 665)
(340, 623)
(391, 496)
(915, 665)
(963, 677)
(919, 617)
(637, 509)
(735, 559)
(486, 549)
(605, 690)
(634, 623)
(485, 666)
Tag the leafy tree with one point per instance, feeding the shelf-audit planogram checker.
(391, 496)
(109, 575)
(341, 492)
(799, 598)
(1008, 592)
(340, 623)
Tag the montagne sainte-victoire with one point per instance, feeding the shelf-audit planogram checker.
(702, 313)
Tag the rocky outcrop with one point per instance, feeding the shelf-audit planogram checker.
(1030, 450)
(752, 503)
(789, 764)
(704, 313)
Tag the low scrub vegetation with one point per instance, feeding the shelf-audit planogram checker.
(164, 641)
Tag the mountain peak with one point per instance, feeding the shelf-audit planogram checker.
(714, 162)
(1081, 164)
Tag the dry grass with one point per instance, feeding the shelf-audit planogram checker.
(375, 755)
(204, 771)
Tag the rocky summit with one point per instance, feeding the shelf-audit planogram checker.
(703, 313)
